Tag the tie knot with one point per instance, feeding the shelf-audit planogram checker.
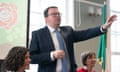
(56, 30)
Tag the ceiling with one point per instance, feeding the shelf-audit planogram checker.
(97, 1)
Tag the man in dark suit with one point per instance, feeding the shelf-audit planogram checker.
(45, 49)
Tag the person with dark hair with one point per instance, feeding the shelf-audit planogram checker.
(17, 60)
(52, 46)
(88, 60)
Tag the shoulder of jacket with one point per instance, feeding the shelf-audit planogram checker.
(66, 27)
(39, 30)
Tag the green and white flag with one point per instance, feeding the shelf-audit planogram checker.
(102, 44)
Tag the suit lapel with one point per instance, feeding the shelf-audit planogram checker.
(49, 38)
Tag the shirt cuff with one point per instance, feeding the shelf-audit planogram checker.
(102, 30)
(52, 56)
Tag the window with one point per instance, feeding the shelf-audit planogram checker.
(115, 37)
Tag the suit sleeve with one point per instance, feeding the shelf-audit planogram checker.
(37, 56)
(86, 34)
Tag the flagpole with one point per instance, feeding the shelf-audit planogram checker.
(108, 52)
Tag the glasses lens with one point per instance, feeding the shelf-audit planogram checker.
(55, 14)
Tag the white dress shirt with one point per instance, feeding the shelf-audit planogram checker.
(57, 47)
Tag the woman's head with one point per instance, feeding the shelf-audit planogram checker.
(18, 57)
(88, 58)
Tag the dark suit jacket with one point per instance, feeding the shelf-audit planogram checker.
(42, 44)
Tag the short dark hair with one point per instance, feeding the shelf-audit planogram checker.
(46, 10)
(15, 58)
(85, 55)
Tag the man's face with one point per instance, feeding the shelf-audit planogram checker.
(53, 18)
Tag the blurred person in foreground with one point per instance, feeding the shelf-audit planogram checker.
(17, 60)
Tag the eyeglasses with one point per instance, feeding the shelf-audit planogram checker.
(54, 14)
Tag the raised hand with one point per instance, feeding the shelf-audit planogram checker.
(109, 21)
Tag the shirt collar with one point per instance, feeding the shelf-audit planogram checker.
(52, 29)
(85, 67)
